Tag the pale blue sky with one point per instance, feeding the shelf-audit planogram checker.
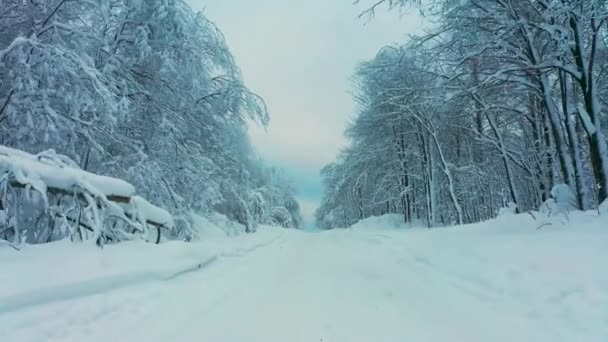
(299, 56)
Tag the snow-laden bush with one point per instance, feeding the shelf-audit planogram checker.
(564, 197)
(281, 217)
(274, 205)
(562, 201)
(336, 218)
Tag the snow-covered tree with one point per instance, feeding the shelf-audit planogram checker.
(498, 103)
(145, 91)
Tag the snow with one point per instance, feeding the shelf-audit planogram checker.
(15, 43)
(603, 208)
(49, 170)
(394, 221)
(586, 119)
(214, 226)
(220, 221)
(563, 201)
(41, 172)
(564, 197)
(510, 209)
(206, 229)
(144, 211)
(517, 278)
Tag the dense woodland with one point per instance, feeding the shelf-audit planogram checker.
(497, 104)
(146, 91)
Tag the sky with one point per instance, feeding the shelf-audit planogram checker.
(300, 57)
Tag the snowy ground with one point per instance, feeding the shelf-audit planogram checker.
(498, 281)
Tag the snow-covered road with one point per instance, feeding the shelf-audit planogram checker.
(362, 285)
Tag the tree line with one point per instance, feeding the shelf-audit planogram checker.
(142, 90)
(500, 101)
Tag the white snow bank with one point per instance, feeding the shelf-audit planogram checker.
(40, 274)
(205, 229)
(59, 271)
(516, 278)
(524, 277)
(510, 209)
(230, 228)
(51, 170)
(215, 225)
(143, 211)
(390, 221)
(603, 208)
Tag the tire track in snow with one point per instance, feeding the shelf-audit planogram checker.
(96, 286)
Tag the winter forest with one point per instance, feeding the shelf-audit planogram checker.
(499, 105)
(320, 170)
(105, 103)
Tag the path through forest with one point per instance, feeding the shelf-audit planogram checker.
(356, 285)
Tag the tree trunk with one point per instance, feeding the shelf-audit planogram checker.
(591, 115)
(555, 123)
(573, 141)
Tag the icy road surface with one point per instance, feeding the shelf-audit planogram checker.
(466, 285)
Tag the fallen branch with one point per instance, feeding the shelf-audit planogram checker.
(543, 225)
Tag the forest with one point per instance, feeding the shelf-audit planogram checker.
(498, 106)
(146, 92)
(465, 196)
